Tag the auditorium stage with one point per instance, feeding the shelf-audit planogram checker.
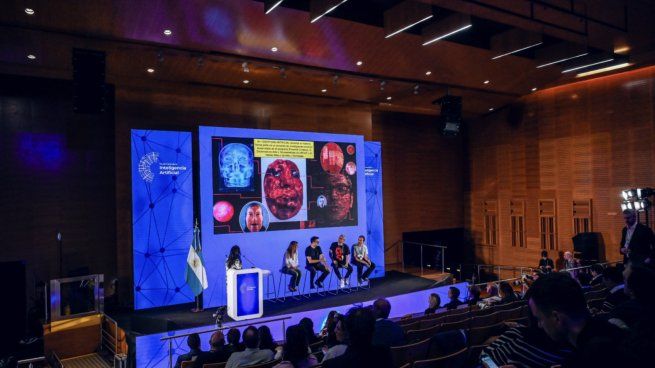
(151, 329)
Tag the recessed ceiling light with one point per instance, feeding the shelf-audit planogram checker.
(274, 49)
(150, 70)
(534, 89)
(168, 32)
(359, 63)
(245, 81)
(428, 72)
(31, 57)
(491, 109)
(29, 11)
(324, 90)
(486, 82)
(388, 98)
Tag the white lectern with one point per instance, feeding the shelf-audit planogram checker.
(245, 293)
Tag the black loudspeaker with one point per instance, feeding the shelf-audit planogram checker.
(590, 247)
(451, 114)
(14, 318)
(89, 90)
(147, 325)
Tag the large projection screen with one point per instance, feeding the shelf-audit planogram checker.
(305, 184)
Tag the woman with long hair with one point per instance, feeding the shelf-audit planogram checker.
(340, 337)
(234, 259)
(296, 350)
(266, 339)
(290, 265)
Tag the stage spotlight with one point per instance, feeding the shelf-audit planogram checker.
(624, 206)
(283, 73)
(245, 67)
(644, 192)
(335, 79)
(382, 84)
(451, 114)
(416, 87)
(319, 8)
(624, 194)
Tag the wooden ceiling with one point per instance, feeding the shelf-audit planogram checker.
(212, 39)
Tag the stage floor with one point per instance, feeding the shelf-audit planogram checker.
(179, 317)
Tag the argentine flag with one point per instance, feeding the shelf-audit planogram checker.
(196, 276)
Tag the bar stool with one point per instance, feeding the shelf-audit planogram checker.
(286, 277)
(318, 289)
(269, 276)
(346, 290)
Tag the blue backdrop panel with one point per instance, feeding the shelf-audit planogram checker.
(162, 216)
(233, 178)
(374, 213)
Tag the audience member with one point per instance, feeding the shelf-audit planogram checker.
(326, 330)
(217, 353)
(570, 263)
(386, 333)
(640, 288)
(434, 303)
(361, 352)
(596, 275)
(546, 264)
(613, 280)
(193, 341)
(251, 355)
(453, 295)
(558, 303)
(233, 340)
(308, 326)
(492, 290)
(637, 239)
(507, 294)
(266, 339)
(474, 295)
(341, 337)
(583, 279)
(296, 350)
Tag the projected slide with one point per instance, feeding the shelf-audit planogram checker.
(261, 189)
(280, 184)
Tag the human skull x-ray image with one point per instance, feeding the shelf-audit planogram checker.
(236, 165)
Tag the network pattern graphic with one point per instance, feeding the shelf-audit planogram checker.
(162, 216)
(375, 225)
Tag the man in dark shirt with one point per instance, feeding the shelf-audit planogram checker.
(193, 341)
(340, 256)
(453, 294)
(558, 303)
(315, 262)
(546, 264)
(387, 333)
(218, 353)
(361, 350)
(637, 240)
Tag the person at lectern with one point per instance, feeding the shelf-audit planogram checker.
(290, 265)
(636, 239)
(234, 259)
(340, 256)
(361, 259)
(315, 262)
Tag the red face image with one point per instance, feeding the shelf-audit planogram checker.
(340, 197)
(283, 189)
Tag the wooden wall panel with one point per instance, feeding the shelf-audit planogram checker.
(583, 141)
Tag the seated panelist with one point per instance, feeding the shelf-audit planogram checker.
(340, 256)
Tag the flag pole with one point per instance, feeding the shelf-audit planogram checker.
(198, 298)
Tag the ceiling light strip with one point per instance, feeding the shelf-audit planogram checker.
(408, 27)
(274, 6)
(602, 70)
(515, 51)
(447, 34)
(587, 65)
(561, 60)
(328, 11)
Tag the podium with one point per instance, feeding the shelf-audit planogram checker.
(245, 293)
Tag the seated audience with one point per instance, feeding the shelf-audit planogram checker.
(583, 279)
(474, 295)
(361, 352)
(453, 295)
(613, 281)
(325, 331)
(596, 275)
(217, 353)
(308, 326)
(251, 355)
(193, 341)
(558, 303)
(507, 294)
(296, 350)
(386, 333)
(570, 262)
(434, 302)
(340, 335)
(331, 337)
(546, 264)
(233, 340)
(266, 339)
(640, 288)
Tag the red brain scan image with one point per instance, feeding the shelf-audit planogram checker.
(331, 158)
(283, 189)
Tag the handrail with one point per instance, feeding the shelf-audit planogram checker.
(426, 244)
(395, 244)
(443, 253)
(104, 340)
(588, 266)
(30, 361)
(171, 338)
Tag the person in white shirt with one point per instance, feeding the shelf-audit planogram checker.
(361, 260)
(290, 265)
